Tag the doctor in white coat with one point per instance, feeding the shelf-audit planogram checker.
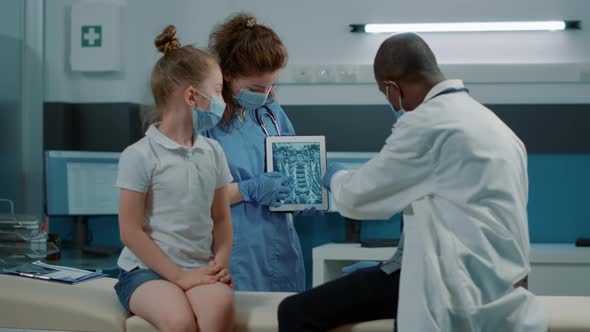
(459, 175)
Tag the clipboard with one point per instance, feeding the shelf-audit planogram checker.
(54, 273)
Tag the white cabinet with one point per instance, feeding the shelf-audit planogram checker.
(329, 259)
(560, 269)
(556, 269)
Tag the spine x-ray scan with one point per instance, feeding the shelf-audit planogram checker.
(302, 161)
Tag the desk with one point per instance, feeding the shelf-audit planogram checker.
(556, 269)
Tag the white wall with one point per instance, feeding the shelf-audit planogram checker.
(316, 32)
(142, 21)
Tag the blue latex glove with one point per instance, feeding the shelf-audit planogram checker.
(333, 168)
(266, 189)
(357, 266)
(311, 212)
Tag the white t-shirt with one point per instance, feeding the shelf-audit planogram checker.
(181, 184)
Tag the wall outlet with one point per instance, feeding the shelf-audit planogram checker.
(324, 74)
(347, 73)
(302, 74)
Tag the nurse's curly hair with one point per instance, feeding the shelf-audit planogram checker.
(244, 47)
(178, 65)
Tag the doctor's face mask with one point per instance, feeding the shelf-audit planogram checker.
(397, 113)
(251, 99)
(253, 91)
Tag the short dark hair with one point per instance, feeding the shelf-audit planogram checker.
(405, 56)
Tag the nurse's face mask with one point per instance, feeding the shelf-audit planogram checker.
(203, 119)
(397, 113)
(249, 99)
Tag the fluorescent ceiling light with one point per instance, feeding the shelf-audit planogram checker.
(467, 27)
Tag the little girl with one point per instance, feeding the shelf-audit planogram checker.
(174, 212)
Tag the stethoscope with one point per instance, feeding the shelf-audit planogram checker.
(270, 114)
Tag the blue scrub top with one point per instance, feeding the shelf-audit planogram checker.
(266, 254)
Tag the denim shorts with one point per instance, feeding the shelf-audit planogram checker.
(130, 281)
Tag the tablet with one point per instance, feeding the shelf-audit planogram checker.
(302, 158)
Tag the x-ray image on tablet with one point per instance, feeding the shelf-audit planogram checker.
(303, 159)
(301, 162)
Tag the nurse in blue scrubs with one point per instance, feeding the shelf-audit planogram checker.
(266, 254)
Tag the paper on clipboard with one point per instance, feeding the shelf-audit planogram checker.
(63, 274)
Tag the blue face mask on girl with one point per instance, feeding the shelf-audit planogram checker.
(397, 113)
(204, 120)
(251, 99)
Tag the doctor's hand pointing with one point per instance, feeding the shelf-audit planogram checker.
(268, 189)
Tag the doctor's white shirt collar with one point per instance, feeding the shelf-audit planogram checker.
(442, 86)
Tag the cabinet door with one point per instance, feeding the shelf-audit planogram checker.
(553, 279)
(21, 104)
(11, 57)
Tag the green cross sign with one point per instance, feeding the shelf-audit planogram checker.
(91, 36)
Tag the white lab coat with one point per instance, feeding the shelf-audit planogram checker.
(460, 176)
